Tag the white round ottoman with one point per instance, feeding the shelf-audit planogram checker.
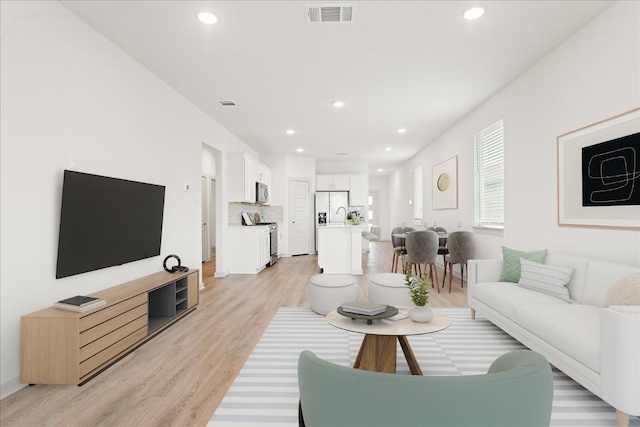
(328, 291)
(389, 288)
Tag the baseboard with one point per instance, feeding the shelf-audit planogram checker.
(221, 273)
(10, 387)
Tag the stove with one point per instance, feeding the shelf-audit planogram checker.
(273, 232)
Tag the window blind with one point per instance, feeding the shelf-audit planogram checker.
(417, 193)
(489, 176)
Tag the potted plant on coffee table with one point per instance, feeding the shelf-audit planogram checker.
(419, 293)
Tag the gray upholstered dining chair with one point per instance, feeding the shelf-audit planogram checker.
(517, 390)
(462, 248)
(422, 248)
(398, 248)
(442, 243)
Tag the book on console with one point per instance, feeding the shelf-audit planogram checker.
(363, 307)
(78, 300)
(80, 309)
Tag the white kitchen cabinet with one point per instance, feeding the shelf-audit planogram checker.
(267, 179)
(332, 183)
(263, 175)
(324, 182)
(249, 249)
(244, 172)
(356, 190)
(354, 184)
(248, 180)
(340, 249)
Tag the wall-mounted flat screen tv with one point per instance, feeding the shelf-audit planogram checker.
(106, 222)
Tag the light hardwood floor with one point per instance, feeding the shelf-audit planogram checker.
(180, 377)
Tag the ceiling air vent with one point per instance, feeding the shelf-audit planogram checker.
(321, 13)
(227, 103)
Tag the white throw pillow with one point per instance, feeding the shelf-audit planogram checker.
(548, 279)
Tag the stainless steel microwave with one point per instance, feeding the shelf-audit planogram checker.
(262, 193)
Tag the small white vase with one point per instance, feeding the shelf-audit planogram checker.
(421, 314)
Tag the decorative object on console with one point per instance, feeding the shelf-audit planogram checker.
(625, 291)
(78, 300)
(511, 262)
(419, 293)
(175, 268)
(549, 279)
(95, 303)
(599, 174)
(445, 184)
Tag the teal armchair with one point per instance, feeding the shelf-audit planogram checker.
(517, 391)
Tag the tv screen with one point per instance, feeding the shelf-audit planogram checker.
(107, 221)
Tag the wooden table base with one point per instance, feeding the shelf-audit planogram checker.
(378, 353)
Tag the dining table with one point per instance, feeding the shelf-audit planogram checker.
(441, 236)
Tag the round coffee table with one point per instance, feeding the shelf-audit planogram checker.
(378, 350)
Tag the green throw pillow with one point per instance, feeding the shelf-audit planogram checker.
(511, 262)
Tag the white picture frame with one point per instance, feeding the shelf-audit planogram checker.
(445, 184)
(572, 209)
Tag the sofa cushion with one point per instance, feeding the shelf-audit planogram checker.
(549, 279)
(573, 329)
(579, 265)
(511, 262)
(504, 297)
(601, 275)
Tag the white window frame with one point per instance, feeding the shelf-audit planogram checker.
(417, 195)
(488, 148)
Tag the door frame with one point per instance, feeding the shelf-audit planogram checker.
(205, 220)
(375, 195)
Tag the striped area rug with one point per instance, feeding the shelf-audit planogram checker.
(265, 392)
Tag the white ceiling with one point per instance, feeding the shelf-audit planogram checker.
(412, 64)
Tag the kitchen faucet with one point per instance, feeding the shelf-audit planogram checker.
(345, 213)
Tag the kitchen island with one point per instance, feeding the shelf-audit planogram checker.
(340, 248)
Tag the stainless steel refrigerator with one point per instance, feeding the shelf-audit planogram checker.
(328, 204)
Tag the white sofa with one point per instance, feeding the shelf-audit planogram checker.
(596, 346)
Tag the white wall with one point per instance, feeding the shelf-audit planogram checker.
(592, 76)
(342, 167)
(67, 92)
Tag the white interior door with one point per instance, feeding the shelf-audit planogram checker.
(205, 228)
(299, 224)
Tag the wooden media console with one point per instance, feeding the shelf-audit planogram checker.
(65, 347)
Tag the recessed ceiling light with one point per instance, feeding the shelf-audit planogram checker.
(300, 150)
(290, 131)
(338, 104)
(207, 17)
(387, 149)
(402, 130)
(473, 12)
(379, 170)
